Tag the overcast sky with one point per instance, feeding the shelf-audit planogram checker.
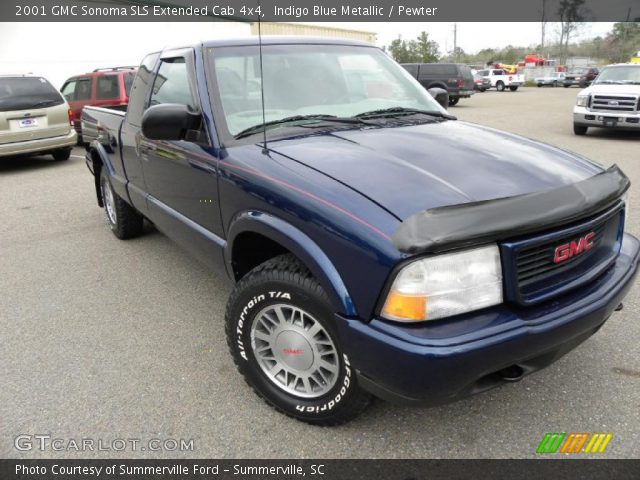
(59, 50)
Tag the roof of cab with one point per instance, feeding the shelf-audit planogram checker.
(284, 40)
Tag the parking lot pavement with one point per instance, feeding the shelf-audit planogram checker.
(105, 339)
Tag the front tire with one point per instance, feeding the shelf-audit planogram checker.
(282, 336)
(513, 88)
(500, 86)
(453, 101)
(580, 129)
(125, 222)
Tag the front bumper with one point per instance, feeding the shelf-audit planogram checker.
(41, 145)
(429, 364)
(583, 116)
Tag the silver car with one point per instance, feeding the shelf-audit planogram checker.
(34, 118)
(554, 79)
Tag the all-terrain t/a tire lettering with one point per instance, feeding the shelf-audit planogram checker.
(282, 336)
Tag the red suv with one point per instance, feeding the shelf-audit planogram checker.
(104, 87)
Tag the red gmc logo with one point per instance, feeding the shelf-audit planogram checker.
(576, 247)
(292, 351)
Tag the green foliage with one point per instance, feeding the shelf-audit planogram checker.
(617, 46)
(420, 50)
(623, 41)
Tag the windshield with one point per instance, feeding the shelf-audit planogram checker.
(23, 93)
(301, 80)
(621, 75)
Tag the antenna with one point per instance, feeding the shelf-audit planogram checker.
(265, 150)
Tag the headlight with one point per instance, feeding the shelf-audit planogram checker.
(446, 285)
(582, 100)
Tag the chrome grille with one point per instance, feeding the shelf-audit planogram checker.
(614, 103)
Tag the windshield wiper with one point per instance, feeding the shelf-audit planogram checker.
(398, 111)
(297, 118)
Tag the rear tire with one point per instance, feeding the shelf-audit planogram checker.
(566, 86)
(61, 155)
(282, 335)
(500, 86)
(580, 129)
(513, 88)
(124, 221)
(453, 101)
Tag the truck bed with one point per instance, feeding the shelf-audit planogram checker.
(98, 121)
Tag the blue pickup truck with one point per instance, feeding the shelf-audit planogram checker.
(378, 246)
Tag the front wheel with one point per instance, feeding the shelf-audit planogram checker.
(453, 101)
(282, 336)
(500, 86)
(513, 88)
(580, 129)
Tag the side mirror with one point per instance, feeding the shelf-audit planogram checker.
(441, 96)
(170, 121)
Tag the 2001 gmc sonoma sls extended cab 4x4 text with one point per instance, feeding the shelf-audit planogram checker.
(377, 245)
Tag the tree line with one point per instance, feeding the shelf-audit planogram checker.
(617, 46)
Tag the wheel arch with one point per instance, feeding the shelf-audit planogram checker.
(275, 237)
(99, 159)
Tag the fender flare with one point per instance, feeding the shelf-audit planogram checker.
(97, 149)
(118, 182)
(300, 245)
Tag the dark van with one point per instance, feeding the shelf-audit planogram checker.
(455, 78)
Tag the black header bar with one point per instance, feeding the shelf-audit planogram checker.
(314, 10)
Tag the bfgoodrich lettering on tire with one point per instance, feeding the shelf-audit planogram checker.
(281, 333)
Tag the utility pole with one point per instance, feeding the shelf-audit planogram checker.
(455, 41)
(543, 25)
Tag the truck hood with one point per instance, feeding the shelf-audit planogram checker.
(611, 89)
(412, 168)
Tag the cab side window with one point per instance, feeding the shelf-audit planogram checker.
(172, 84)
(140, 88)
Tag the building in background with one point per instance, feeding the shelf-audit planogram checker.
(282, 28)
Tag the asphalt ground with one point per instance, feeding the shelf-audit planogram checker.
(105, 339)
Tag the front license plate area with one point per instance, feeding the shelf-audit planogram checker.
(610, 121)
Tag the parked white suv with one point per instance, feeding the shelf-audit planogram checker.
(612, 100)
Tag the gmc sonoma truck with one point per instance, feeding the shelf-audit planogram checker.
(378, 246)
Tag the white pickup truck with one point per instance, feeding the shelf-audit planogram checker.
(612, 100)
(502, 80)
